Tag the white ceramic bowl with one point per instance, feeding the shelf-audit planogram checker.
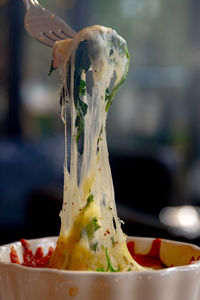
(176, 283)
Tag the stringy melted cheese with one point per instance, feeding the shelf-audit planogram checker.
(89, 222)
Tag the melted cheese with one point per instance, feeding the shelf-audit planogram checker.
(89, 222)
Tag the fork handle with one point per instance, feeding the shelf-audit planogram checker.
(27, 4)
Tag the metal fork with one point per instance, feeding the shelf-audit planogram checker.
(44, 26)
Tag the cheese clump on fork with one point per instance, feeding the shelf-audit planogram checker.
(92, 66)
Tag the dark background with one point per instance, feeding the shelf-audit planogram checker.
(153, 126)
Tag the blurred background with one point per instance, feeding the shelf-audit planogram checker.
(153, 126)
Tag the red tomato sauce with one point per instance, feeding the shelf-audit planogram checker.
(151, 259)
(37, 260)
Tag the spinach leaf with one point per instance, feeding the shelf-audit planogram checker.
(89, 200)
(91, 227)
(109, 267)
(82, 63)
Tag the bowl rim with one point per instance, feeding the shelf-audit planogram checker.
(147, 273)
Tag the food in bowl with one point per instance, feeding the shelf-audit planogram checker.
(153, 258)
(182, 281)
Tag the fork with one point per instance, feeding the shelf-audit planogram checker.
(44, 26)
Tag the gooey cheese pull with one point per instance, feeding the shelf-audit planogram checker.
(92, 66)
